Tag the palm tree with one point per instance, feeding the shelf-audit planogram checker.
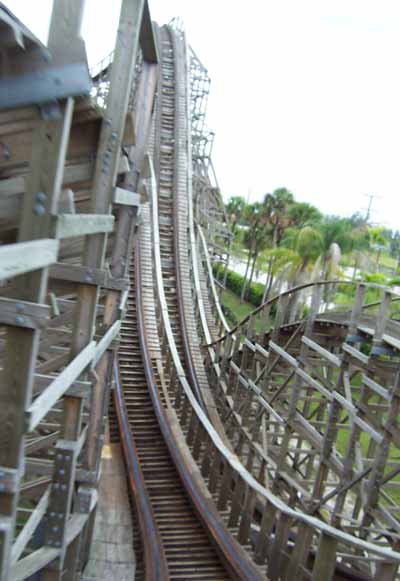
(303, 214)
(306, 244)
(235, 209)
(276, 211)
(360, 242)
(336, 239)
(252, 240)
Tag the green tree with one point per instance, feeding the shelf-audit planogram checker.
(336, 239)
(254, 240)
(276, 211)
(303, 214)
(235, 209)
(306, 244)
(378, 242)
(360, 243)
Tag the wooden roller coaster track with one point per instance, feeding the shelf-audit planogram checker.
(265, 451)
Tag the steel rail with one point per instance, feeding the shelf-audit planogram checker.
(155, 563)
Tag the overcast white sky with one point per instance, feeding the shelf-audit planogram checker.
(305, 94)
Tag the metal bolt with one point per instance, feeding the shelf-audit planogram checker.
(59, 457)
(63, 487)
(39, 209)
(20, 308)
(55, 529)
(20, 320)
(41, 197)
(61, 471)
(52, 514)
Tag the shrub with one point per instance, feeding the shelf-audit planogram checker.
(235, 281)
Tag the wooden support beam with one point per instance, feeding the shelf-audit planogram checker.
(30, 526)
(24, 257)
(70, 225)
(23, 314)
(44, 402)
(87, 275)
(126, 197)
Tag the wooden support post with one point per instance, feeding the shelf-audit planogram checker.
(50, 140)
(324, 565)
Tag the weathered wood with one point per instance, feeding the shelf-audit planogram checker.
(44, 402)
(24, 257)
(23, 313)
(69, 225)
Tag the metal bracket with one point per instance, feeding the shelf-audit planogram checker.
(86, 476)
(61, 492)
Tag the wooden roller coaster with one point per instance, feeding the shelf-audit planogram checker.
(265, 451)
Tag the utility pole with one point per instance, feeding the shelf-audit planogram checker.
(371, 197)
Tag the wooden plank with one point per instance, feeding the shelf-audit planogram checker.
(355, 353)
(333, 359)
(44, 402)
(376, 387)
(70, 225)
(37, 560)
(126, 197)
(325, 561)
(83, 142)
(30, 526)
(23, 313)
(14, 187)
(24, 257)
(392, 341)
(105, 342)
(282, 353)
(87, 275)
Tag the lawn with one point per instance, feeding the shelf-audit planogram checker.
(231, 301)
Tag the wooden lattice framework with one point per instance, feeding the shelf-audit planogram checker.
(69, 206)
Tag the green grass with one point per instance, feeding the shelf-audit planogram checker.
(388, 262)
(233, 303)
(230, 300)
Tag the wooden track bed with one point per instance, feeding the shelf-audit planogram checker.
(188, 550)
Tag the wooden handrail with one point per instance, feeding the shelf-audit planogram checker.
(299, 288)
